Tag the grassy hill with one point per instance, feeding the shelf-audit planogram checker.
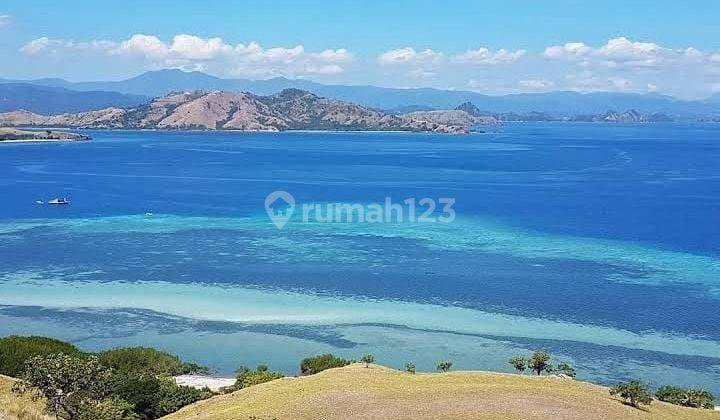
(356, 392)
(15, 407)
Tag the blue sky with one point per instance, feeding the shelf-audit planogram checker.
(488, 46)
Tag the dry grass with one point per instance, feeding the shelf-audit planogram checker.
(356, 392)
(19, 407)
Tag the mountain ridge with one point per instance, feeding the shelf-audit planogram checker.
(559, 103)
(291, 109)
(52, 100)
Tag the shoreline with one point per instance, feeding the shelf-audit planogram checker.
(42, 140)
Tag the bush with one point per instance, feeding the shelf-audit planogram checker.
(246, 377)
(153, 397)
(695, 398)
(410, 367)
(112, 408)
(172, 397)
(565, 369)
(444, 365)
(539, 362)
(146, 361)
(633, 392)
(70, 384)
(312, 365)
(367, 359)
(15, 351)
(519, 363)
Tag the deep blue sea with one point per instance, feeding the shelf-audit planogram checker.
(598, 243)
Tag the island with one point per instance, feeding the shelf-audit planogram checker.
(14, 135)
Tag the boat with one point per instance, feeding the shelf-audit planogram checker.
(59, 201)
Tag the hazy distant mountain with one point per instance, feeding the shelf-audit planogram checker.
(291, 109)
(630, 116)
(56, 100)
(559, 104)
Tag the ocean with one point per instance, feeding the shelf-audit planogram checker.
(595, 242)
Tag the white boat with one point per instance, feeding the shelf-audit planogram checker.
(59, 201)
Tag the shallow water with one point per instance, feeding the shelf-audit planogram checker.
(596, 242)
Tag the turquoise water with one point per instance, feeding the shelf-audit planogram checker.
(594, 242)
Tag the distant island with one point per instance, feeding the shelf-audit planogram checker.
(291, 109)
(629, 116)
(14, 135)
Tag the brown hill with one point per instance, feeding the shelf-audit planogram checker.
(291, 109)
(356, 392)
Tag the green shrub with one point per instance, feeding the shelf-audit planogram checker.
(71, 384)
(367, 359)
(410, 367)
(565, 369)
(172, 397)
(112, 408)
(519, 363)
(146, 361)
(539, 362)
(246, 377)
(695, 398)
(633, 392)
(15, 351)
(153, 397)
(444, 366)
(312, 365)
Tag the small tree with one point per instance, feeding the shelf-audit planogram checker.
(696, 398)
(540, 362)
(633, 392)
(70, 384)
(519, 363)
(367, 359)
(565, 369)
(444, 366)
(410, 367)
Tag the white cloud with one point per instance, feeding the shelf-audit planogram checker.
(5, 20)
(197, 53)
(536, 84)
(587, 81)
(623, 52)
(476, 84)
(571, 49)
(48, 46)
(421, 74)
(148, 46)
(486, 56)
(409, 56)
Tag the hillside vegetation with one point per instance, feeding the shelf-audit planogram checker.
(19, 407)
(375, 392)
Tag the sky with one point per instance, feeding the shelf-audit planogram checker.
(493, 47)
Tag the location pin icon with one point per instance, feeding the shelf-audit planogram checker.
(280, 206)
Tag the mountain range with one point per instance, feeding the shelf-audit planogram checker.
(291, 109)
(54, 100)
(559, 104)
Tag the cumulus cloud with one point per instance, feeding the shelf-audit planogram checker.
(486, 56)
(194, 52)
(569, 50)
(623, 52)
(409, 56)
